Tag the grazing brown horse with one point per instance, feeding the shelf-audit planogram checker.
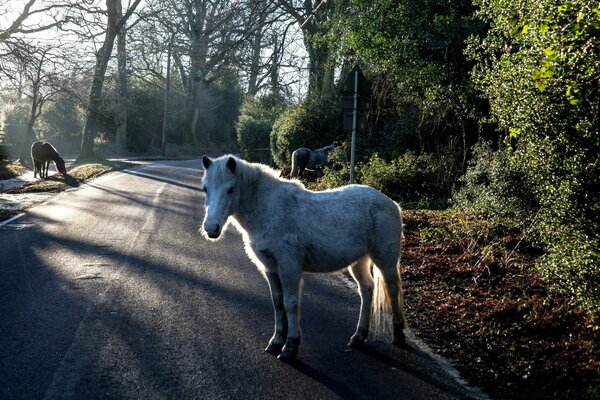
(41, 155)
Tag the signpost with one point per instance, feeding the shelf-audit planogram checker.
(356, 103)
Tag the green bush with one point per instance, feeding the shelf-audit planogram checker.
(410, 177)
(407, 178)
(254, 126)
(311, 124)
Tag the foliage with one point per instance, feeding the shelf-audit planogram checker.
(225, 98)
(409, 177)
(144, 116)
(414, 54)
(495, 185)
(312, 124)
(254, 126)
(16, 118)
(539, 68)
(63, 117)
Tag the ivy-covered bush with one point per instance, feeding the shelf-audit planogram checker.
(539, 66)
(408, 177)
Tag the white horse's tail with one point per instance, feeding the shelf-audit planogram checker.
(381, 323)
(381, 327)
(294, 173)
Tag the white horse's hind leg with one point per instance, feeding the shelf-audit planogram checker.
(278, 340)
(361, 272)
(393, 285)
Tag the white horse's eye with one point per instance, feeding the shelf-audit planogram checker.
(230, 190)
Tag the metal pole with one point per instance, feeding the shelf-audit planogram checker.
(354, 121)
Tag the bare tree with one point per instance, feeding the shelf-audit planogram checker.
(211, 36)
(113, 25)
(39, 79)
(35, 16)
(22, 24)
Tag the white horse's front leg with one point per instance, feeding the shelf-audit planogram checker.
(281, 326)
(291, 276)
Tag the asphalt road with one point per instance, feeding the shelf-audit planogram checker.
(109, 291)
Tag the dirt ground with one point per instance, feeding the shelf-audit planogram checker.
(478, 303)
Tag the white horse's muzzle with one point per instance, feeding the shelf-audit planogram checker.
(213, 231)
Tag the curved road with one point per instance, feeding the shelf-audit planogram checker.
(108, 291)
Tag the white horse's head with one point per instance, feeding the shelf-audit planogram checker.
(220, 185)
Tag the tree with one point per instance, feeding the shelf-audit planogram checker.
(317, 20)
(122, 95)
(113, 26)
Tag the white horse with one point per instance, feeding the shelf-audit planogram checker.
(288, 229)
(304, 158)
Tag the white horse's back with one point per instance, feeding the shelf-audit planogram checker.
(335, 228)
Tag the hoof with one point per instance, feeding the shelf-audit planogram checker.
(399, 338)
(274, 349)
(356, 342)
(290, 350)
(287, 356)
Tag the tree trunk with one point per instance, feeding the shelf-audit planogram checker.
(255, 63)
(256, 49)
(274, 67)
(25, 154)
(123, 90)
(198, 58)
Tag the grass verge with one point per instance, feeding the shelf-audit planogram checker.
(11, 169)
(77, 174)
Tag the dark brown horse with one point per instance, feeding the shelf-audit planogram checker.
(41, 155)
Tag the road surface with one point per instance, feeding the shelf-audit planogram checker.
(109, 291)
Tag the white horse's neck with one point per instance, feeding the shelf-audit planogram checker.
(259, 201)
(253, 205)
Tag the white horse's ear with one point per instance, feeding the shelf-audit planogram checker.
(231, 164)
(206, 161)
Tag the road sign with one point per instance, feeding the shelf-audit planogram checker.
(361, 121)
(364, 85)
(363, 103)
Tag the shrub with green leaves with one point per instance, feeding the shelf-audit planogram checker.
(495, 185)
(409, 177)
(254, 126)
(539, 66)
